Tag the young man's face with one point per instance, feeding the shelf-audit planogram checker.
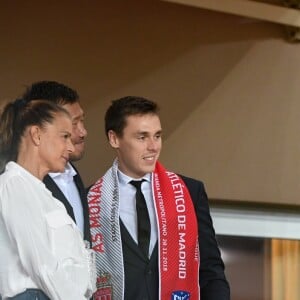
(139, 147)
(79, 132)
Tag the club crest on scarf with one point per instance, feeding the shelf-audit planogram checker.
(104, 288)
(180, 295)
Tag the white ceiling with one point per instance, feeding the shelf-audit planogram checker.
(267, 10)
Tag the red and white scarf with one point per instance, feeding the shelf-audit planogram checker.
(177, 238)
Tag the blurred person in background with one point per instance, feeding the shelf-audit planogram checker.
(67, 186)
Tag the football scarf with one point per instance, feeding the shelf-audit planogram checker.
(177, 237)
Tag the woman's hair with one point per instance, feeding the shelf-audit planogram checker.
(15, 117)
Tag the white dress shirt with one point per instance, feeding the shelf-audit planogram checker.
(40, 245)
(128, 213)
(65, 181)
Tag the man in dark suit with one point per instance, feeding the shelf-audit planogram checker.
(151, 228)
(68, 186)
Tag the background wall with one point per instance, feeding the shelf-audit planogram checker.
(228, 87)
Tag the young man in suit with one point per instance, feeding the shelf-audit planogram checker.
(68, 186)
(151, 228)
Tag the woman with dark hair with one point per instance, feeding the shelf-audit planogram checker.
(42, 253)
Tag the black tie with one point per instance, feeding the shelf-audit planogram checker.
(143, 220)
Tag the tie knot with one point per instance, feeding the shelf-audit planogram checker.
(137, 183)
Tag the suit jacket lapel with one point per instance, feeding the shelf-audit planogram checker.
(127, 238)
(85, 208)
(58, 194)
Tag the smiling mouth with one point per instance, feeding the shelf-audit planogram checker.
(149, 158)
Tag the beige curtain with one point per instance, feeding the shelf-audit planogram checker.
(285, 269)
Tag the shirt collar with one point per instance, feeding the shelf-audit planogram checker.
(68, 174)
(124, 179)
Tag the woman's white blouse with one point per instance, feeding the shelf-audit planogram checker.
(40, 245)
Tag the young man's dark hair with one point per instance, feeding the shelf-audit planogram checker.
(120, 109)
